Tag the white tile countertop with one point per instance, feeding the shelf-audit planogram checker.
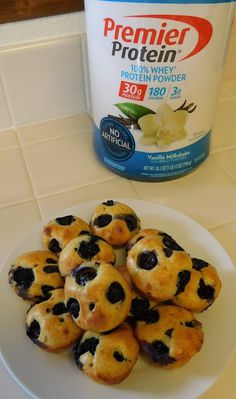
(49, 166)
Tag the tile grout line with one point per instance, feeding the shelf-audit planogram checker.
(222, 225)
(135, 190)
(11, 204)
(49, 139)
(39, 197)
(14, 147)
(21, 147)
(83, 71)
(228, 82)
(8, 102)
(43, 196)
(32, 124)
(39, 43)
(28, 172)
(30, 180)
(218, 151)
(5, 99)
(22, 144)
(230, 98)
(223, 171)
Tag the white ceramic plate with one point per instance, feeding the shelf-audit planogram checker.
(47, 376)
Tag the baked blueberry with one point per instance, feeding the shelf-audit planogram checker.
(102, 220)
(168, 252)
(182, 280)
(139, 306)
(109, 203)
(118, 356)
(88, 345)
(59, 309)
(33, 330)
(170, 243)
(192, 323)
(84, 274)
(205, 291)
(115, 293)
(23, 277)
(147, 260)
(140, 235)
(130, 220)
(198, 264)
(89, 248)
(46, 290)
(51, 261)
(151, 316)
(92, 305)
(169, 332)
(54, 246)
(49, 269)
(66, 220)
(158, 352)
(73, 307)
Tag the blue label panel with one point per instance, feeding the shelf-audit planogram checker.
(149, 166)
(117, 140)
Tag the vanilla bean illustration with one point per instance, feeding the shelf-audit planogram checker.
(184, 107)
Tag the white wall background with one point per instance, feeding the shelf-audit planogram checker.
(42, 29)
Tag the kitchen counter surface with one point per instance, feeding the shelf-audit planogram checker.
(50, 166)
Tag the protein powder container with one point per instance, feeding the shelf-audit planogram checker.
(155, 73)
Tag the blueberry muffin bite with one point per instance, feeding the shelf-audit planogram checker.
(58, 232)
(33, 275)
(203, 288)
(159, 267)
(171, 338)
(50, 325)
(97, 296)
(107, 357)
(84, 248)
(116, 222)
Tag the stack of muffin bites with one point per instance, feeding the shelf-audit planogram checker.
(110, 314)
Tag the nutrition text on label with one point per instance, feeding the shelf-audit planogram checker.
(154, 74)
(137, 92)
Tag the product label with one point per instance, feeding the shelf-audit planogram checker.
(114, 136)
(155, 76)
